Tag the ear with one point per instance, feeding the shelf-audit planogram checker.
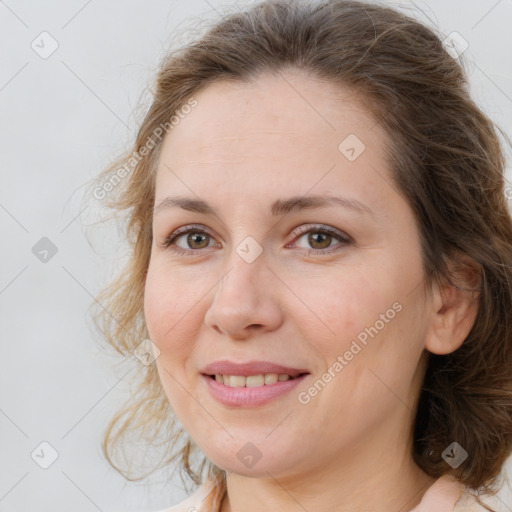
(453, 309)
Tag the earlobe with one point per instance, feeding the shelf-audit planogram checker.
(454, 310)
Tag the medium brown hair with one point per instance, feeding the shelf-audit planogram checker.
(445, 158)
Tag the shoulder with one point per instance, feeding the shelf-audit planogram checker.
(468, 503)
(203, 499)
(190, 504)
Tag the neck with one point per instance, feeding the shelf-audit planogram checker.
(368, 479)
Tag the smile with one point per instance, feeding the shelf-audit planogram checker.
(250, 381)
(252, 390)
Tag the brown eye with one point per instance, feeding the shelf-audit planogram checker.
(188, 240)
(319, 240)
(196, 238)
(191, 240)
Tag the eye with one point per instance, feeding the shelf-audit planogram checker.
(190, 240)
(320, 238)
(194, 240)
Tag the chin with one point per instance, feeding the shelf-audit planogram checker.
(249, 459)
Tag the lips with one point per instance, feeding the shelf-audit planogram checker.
(250, 384)
(225, 367)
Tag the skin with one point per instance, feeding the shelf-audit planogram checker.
(242, 147)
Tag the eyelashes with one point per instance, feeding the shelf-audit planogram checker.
(201, 234)
(180, 232)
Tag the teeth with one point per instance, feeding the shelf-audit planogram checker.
(235, 381)
(251, 381)
(271, 378)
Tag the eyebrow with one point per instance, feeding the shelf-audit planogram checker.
(279, 207)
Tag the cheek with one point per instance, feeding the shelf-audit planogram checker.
(158, 302)
(340, 308)
(173, 326)
(371, 320)
(170, 310)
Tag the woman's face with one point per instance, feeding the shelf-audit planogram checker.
(331, 289)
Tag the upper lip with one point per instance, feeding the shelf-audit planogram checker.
(250, 368)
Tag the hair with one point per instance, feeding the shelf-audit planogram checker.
(444, 157)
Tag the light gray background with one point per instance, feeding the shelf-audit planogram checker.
(63, 119)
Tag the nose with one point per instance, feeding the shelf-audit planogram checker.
(245, 300)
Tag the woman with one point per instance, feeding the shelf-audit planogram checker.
(340, 337)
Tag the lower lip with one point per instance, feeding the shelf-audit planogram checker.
(252, 396)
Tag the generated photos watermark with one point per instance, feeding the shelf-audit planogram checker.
(119, 174)
(344, 359)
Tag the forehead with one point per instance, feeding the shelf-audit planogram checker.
(291, 103)
(285, 130)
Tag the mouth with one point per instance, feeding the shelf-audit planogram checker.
(253, 381)
(250, 383)
(249, 391)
